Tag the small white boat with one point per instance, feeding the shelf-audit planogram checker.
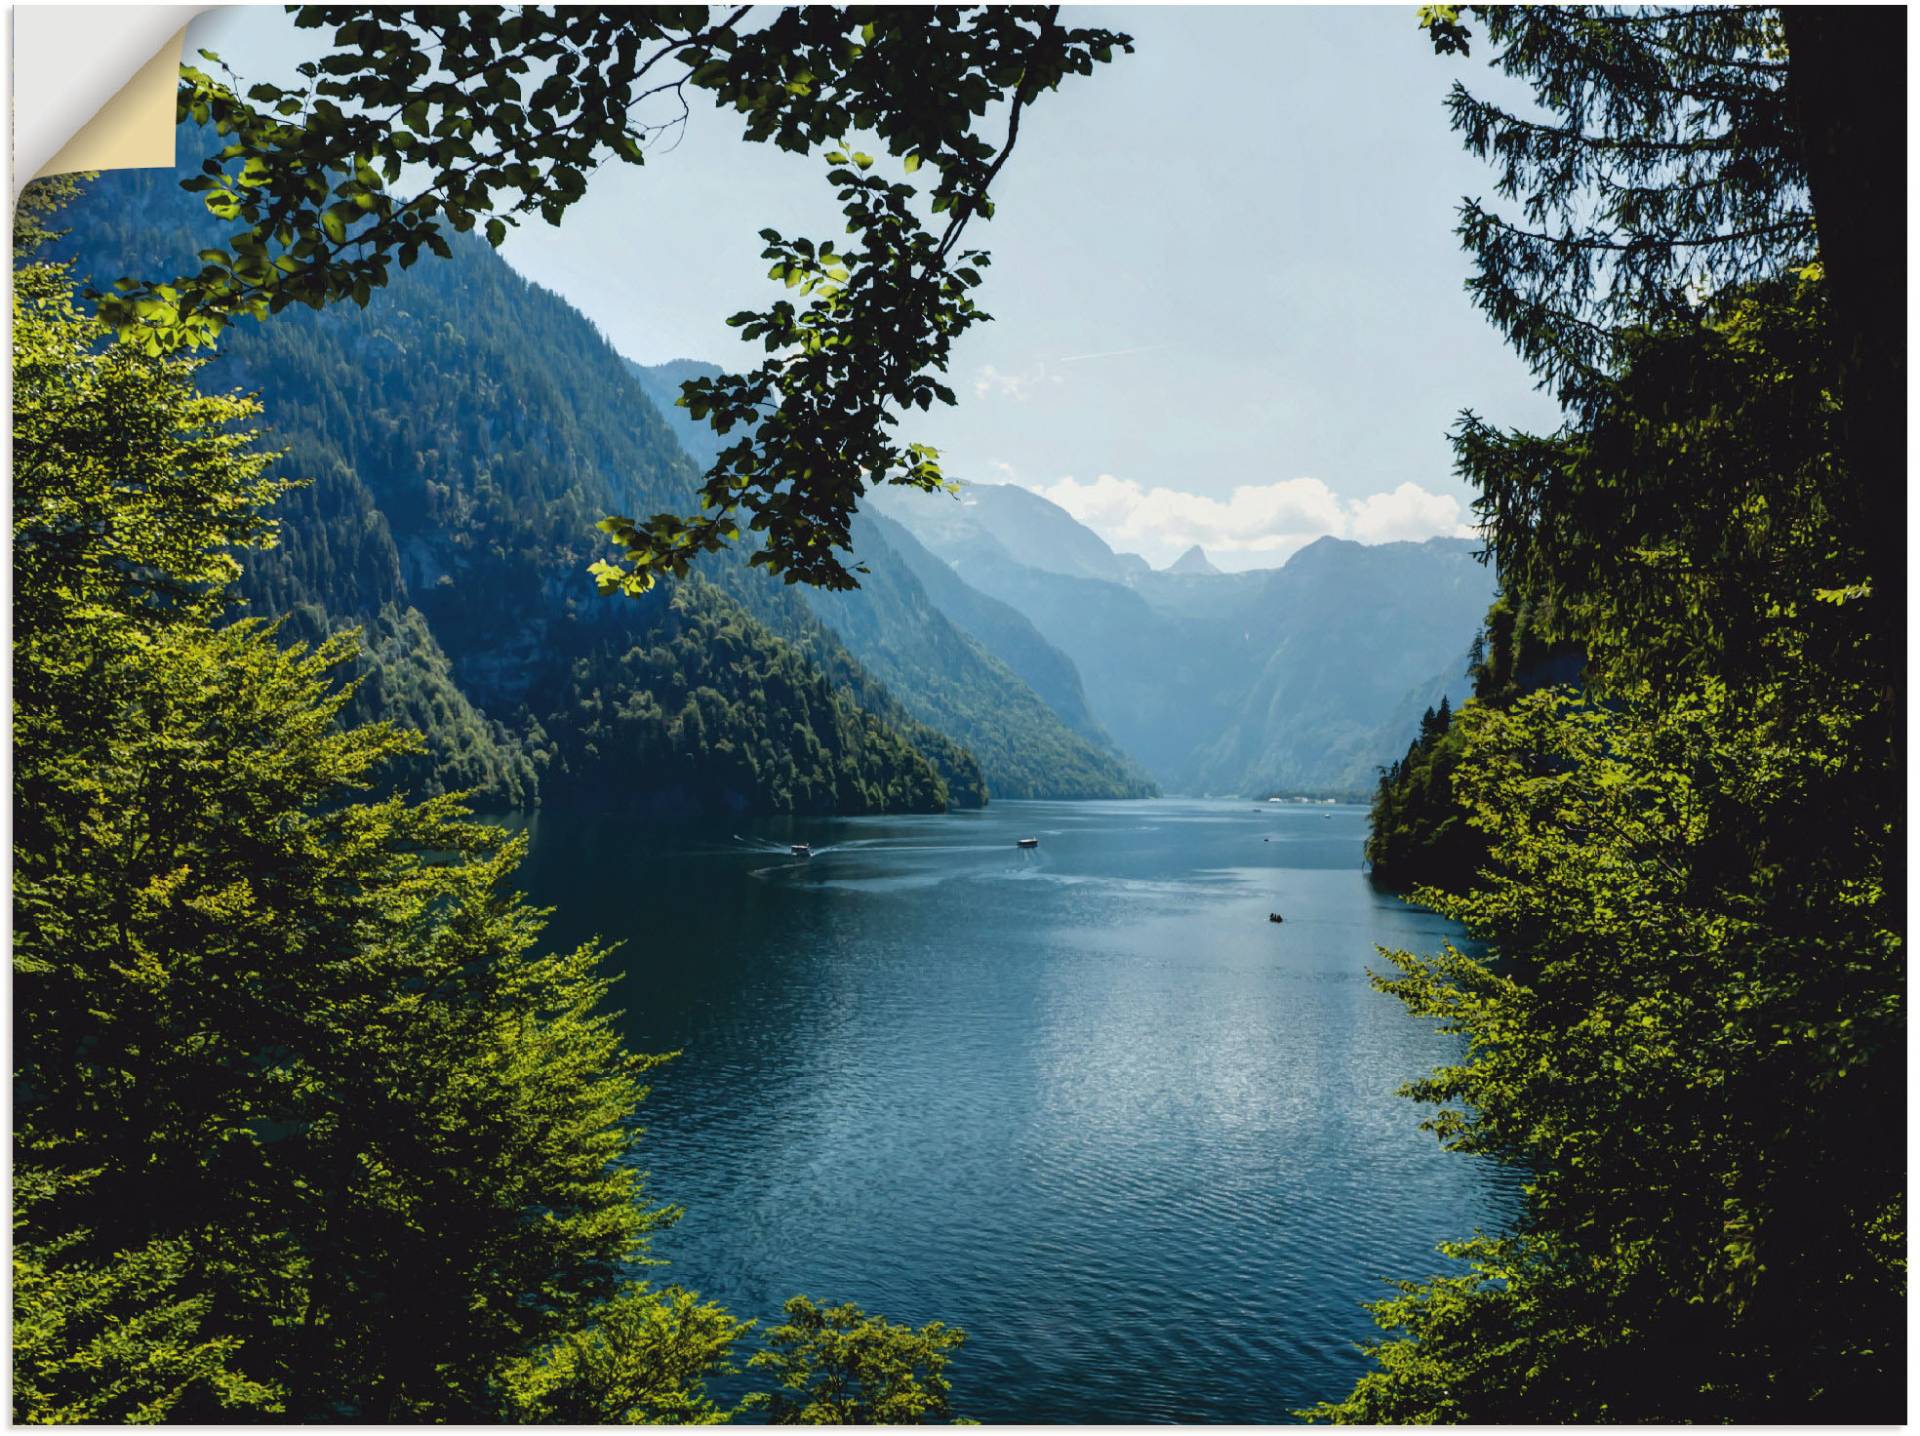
(1028, 843)
(802, 850)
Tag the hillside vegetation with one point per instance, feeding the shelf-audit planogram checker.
(460, 437)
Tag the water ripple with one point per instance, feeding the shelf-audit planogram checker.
(1084, 1101)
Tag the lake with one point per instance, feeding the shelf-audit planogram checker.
(1083, 1100)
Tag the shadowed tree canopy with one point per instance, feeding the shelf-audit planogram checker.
(1679, 152)
(420, 120)
(1688, 871)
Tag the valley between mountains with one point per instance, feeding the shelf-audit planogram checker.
(462, 434)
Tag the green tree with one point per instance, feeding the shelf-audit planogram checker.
(1689, 1022)
(113, 1336)
(305, 1122)
(497, 115)
(645, 1361)
(1691, 1057)
(1680, 152)
(838, 1366)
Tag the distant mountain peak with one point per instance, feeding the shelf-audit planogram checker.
(1194, 560)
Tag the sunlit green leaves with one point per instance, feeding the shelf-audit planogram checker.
(505, 114)
(838, 1366)
(1693, 983)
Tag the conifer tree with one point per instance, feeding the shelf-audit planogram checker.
(1688, 1025)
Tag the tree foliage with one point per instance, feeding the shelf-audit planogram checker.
(493, 116)
(1691, 1047)
(307, 1124)
(1688, 1025)
(1681, 152)
(1665, 164)
(1417, 833)
(838, 1366)
(291, 1068)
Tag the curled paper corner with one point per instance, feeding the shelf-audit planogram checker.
(94, 87)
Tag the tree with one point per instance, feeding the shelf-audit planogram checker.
(839, 1366)
(306, 180)
(1692, 1062)
(1694, 151)
(116, 1336)
(1847, 79)
(305, 1124)
(1691, 995)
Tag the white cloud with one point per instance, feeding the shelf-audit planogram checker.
(1409, 512)
(1257, 526)
(989, 381)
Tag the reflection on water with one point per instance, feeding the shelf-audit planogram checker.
(1082, 1099)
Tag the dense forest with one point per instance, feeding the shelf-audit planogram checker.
(1673, 812)
(460, 438)
(1417, 833)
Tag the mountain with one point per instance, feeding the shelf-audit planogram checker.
(959, 663)
(1001, 629)
(462, 434)
(1351, 632)
(950, 680)
(1028, 529)
(1194, 560)
(464, 431)
(1295, 679)
(662, 383)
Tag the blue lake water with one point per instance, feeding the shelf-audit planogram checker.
(1084, 1101)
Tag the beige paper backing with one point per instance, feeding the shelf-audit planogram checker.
(134, 129)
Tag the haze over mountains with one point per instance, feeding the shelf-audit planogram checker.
(464, 432)
(1296, 679)
(1303, 678)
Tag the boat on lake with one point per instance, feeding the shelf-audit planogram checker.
(1028, 843)
(802, 850)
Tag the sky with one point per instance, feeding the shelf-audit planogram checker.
(1229, 304)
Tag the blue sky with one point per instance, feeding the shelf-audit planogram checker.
(1228, 299)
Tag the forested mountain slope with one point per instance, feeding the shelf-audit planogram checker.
(956, 660)
(947, 678)
(463, 433)
(1002, 630)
